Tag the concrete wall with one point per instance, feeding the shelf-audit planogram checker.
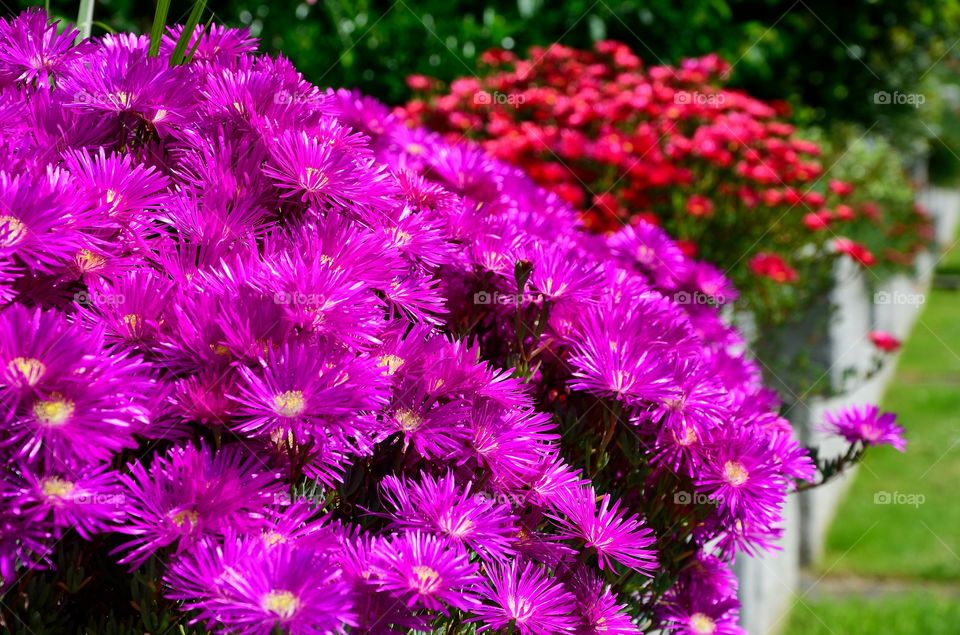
(768, 583)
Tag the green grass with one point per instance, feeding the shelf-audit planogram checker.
(913, 614)
(912, 543)
(902, 540)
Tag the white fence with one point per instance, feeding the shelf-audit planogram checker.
(768, 584)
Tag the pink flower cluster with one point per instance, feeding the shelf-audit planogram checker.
(308, 370)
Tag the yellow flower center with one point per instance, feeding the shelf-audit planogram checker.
(289, 404)
(425, 580)
(220, 350)
(455, 526)
(283, 604)
(316, 180)
(134, 322)
(644, 254)
(621, 380)
(689, 437)
(400, 237)
(88, 261)
(30, 369)
(271, 538)
(735, 473)
(185, 516)
(53, 412)
(123, 98)
(408, 420)
(701, 624)
(391, 362)
(520, 608)
(55, 487)
(12, 231)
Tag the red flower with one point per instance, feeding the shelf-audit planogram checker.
(772, 266)
(841, 188)
(885, 341)
(688, 248)
(814, 199)
(844, 212)
(699, 206)
(855, 251)
(816, 221)
(419, 82)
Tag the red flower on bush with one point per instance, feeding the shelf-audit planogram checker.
(772, 266)
(699, 206)
(714, 167)
(855, 251)
(885, 341)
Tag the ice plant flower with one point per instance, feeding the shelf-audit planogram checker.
(867, 425)
(441, 507)
(772, 266)
(523, 595)
(311, 370)
(425, 571)
(614, 536)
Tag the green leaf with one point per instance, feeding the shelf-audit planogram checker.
(178, 52)
(84, 19)
(159, 23)
(193, 49)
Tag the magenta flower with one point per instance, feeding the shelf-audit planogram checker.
(33, 49)
(611, 358)
(189, 493)
(300, 390)
(40, 220)
(23, 542)
(524, 596)
(67, 400)
(426, 572)
(442, 508)
(743, 476)
(89, 502)
(599, 611)
(249, 588)
(867, 425)
(331, 166)
(647, 248)
(615, 535)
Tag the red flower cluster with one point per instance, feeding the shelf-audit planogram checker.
(719, 170)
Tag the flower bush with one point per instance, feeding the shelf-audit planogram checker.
(275, 360)
(722, 172)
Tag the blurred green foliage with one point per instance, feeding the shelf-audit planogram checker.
(832, 56)
(858, 61)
